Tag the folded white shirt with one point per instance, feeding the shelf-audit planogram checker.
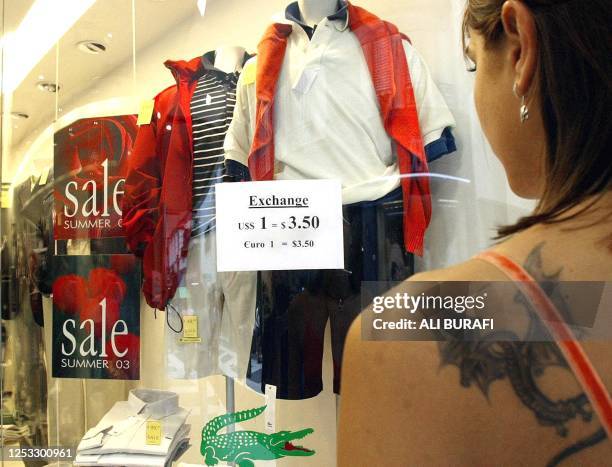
(178, 446)
(123, 429)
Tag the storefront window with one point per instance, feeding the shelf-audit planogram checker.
(125, 329)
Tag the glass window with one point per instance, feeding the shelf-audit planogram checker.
(122, 340)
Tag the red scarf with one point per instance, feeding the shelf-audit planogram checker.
(384, 53)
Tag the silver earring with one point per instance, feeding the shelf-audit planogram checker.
(524, 110)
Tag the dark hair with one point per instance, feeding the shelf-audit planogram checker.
(575, 81)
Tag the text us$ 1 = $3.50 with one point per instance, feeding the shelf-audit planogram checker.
(279, 225)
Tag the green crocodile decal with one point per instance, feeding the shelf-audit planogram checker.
(245, 447)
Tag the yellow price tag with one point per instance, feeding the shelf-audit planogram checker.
(190, 327)
(146, 112)
(190, 330)
(44, 177)
(5, 201)
(154, 432)
(249, 73)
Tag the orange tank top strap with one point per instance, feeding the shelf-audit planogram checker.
(577, 359)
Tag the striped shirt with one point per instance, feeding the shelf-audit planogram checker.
(212, 107)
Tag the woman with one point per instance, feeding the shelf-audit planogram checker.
(543, 95)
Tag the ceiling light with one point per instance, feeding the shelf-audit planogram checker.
(43, 25)
(48, 87)
(20, 115)
(202, 7)
(91, 47)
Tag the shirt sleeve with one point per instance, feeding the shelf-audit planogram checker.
(435, 118)
(239, 135)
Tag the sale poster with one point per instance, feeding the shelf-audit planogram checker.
(90, 166)
(96, 317)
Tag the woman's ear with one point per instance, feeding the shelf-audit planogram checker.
(522, 40)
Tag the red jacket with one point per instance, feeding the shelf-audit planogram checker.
(157, 204)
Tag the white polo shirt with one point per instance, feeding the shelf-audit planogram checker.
(327, 116)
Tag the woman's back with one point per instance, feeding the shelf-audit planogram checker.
(489, 403)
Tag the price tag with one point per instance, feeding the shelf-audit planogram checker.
(154, 433)
(306, 80)
(279, 225)
(146, 112)
(270, 413)
(182, 292)
(5, 200)
(190, 330)
(249, 74)
(44, 177)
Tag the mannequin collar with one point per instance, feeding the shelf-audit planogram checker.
(292, 13)
(196, 67)
(208, 61)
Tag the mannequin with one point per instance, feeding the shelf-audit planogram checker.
(219, 346)
(296, 141)
(313, 11)
(229, 58)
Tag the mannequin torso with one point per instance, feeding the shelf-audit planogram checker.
(229, 58)
(313, 11)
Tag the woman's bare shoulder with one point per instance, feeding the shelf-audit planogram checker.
(434, 397)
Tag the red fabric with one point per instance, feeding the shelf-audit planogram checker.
(384, 53)
(270, 52)
(123, 264)
(157, 204)
(574, 354)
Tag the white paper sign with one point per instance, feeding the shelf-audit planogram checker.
(279, 225)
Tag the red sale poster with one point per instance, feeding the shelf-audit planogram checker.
(96, 317)
(90, 165)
